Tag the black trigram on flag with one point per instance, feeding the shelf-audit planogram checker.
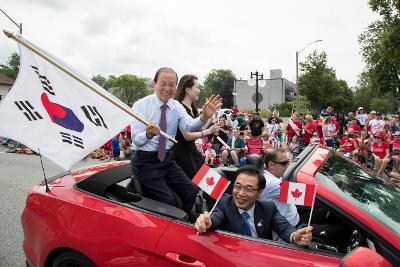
(94, 116)
(28, 110)
(72, 139)
(45, 82)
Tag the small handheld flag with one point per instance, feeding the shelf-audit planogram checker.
(298, 194)
(210, 182)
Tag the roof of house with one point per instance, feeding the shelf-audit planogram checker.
(5, 80)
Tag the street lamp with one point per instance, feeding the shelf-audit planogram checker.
(252, 82)
(297, 72)
(16, 24)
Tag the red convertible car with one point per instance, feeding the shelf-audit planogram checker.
(98, 216)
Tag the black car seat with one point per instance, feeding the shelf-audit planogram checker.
(135, 187)
(257, 161)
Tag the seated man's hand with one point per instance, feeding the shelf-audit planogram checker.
(203, 222)
(302, 237)
(152, 130)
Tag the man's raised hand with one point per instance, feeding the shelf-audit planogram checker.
(212, 105)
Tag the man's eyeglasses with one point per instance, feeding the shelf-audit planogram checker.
(246, 189)
(283, 163)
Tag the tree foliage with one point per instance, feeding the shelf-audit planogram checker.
(129, 88)
(318, 83)
(11, 68)
(380, 47)
(219, 81)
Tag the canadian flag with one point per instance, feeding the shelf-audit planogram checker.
(297, 193)
(210, 182)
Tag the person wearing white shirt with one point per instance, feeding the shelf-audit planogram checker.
(276, 162)
(153, 163)
(361, 116)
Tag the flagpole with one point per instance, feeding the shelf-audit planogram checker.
(62, 68)
(44, 174)
(312, 207)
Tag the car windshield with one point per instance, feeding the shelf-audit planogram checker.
(362, 188)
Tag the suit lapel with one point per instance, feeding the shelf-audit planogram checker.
(258, 220)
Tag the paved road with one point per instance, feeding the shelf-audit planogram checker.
(18, 174)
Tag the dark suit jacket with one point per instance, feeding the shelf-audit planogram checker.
(267, 218)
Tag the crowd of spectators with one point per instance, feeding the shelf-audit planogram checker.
(371, 139)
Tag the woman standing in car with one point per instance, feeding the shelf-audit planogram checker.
(186, 154)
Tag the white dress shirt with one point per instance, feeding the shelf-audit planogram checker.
(149, 109)
(272, 191)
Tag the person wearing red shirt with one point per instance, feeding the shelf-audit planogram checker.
(349, 144)
(395, 149)
(235, 110)
(294, 130)
(380, 151)
(353, 125)
(308, 129)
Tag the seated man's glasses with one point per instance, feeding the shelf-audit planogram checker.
(283, 163)
(246, 189)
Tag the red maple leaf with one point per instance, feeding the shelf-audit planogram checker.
(296, 193)
(210, 181)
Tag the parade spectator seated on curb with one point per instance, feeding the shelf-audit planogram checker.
(380, 151)
(235, 150)
(394, 146)
(243, 213)
(395, 125)
(210, 155)
(376, 124)
(354, 126)
(349, 145)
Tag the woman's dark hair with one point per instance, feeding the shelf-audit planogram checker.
(164, 69)
(253, 171)
(187, 81)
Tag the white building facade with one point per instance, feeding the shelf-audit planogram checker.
(276, 91)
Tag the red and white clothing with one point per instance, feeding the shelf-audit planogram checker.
(355, 127)
(380, 150)
(291, 132)
(376, 126)
(210, 153)
(307, 136)
(348, 144)
(396, 145)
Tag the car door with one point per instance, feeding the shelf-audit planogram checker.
(181, 246)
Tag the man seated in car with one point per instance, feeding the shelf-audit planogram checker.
(243, 213)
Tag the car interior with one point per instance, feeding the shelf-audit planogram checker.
(340, 233)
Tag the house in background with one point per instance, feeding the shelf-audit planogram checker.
(276, 91)
(5, 85)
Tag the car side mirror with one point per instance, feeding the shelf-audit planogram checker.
(363, 256)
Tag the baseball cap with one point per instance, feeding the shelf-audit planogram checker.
(378, 114)
(380, 135)
(360, 108)
(373, 111)
(397, 133)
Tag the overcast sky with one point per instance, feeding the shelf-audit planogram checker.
(131, 36)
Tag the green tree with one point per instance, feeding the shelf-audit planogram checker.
(218, 81)
(11, 68)
(104, 82)
(129, 88)
(319, 84)
(380, 47)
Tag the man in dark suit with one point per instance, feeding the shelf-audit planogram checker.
(244, 213)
